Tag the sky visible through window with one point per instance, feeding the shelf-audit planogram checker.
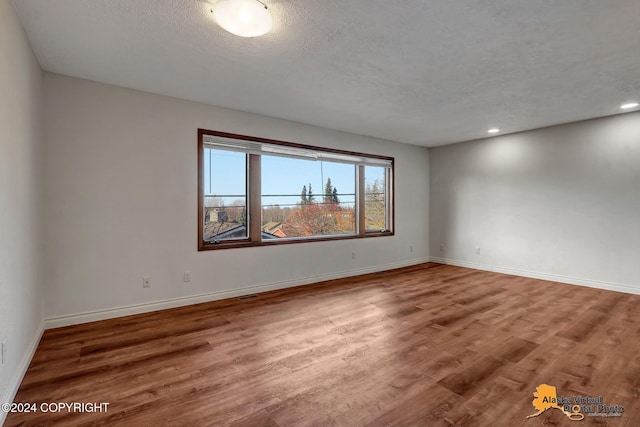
(281, 175)
(224, 175)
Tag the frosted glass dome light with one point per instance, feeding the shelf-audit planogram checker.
(244, 18)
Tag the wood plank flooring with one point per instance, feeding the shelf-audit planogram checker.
(430, 345)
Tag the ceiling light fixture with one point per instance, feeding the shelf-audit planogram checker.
(629, 105)
(493, 130)
(244, 18)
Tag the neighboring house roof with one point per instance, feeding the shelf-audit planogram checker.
(279, 233)
(236, 232)
(231, 231)
(274, 228)
(211, 228)
(271, 226)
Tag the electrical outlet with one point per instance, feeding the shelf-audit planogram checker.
(353, 255)
(3, 350)
(187, 276)
(477, 251)
(441, 248)
(146, 282)
(411, 248)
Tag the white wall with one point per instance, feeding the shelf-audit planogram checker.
(561, 202)
(121, 203)
(21, 308)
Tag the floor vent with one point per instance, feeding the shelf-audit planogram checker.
(245, 297)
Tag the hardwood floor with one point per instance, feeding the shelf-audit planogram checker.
(429, 345)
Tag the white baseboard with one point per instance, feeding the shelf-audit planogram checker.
(618, 287)
(16, 380)
(92, 316)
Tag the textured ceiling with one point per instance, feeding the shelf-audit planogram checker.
(415, 71)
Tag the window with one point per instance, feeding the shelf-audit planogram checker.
(225, 195)
(295, 204)
(375, 193)
(258, 192)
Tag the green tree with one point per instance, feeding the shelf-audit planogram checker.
(334, 196)
(243, 217)
(310, 197)
(328, 192)
(304, 198)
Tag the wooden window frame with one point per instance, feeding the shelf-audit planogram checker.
(254, 195)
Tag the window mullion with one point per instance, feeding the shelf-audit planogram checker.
(388, 200)
(255, 196)
(362, 223)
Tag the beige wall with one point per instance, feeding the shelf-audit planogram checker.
(121, 186)
(561, 202)
(21, 311)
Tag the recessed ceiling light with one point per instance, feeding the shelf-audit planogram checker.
(493, 130)
(244, 18)
(629, 105)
